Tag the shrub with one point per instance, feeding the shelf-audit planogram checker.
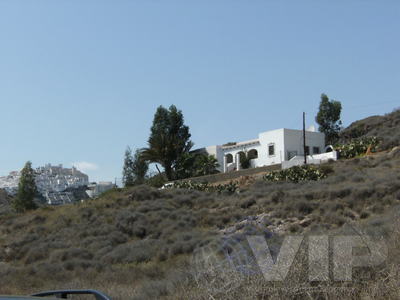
(357, 147)
(304, 207)
(156, 181)
(297, 173)
(229, 188)
(247, 203)
(137, 252)
(364, 215)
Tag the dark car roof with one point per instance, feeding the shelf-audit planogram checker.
(23, 298)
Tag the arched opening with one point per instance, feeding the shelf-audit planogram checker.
(242, 155)
(252, 154)
(229, 158)
(329, 149)
(243, 160)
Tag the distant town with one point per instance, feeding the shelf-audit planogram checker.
(58, 185)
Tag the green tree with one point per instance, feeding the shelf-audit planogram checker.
(185, 166)
(245, 160)
(206, 165)
(328, 118)
(27, 190)
(169, 139)
(128, 175)
(139, 167)
(195, 164)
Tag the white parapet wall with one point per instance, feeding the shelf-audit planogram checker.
(311, 159)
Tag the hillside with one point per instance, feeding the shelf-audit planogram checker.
(138, 243)
(4, 202)
(386, 128)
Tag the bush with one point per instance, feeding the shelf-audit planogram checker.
(297, 173)
(304, 207)
(137, 252)
(156, 181)
(357, 147)
(229, 188)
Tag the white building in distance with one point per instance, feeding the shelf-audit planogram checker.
(281, 146)
(49, 179)
(96, 189)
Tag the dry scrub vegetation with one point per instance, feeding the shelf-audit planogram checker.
(385, 128)
(137, 243)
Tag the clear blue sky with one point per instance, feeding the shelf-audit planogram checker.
(80, 80)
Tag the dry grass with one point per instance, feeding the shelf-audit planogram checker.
(138, 243)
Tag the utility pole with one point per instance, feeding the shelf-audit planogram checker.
(304, 138)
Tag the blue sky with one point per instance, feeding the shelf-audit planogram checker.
(80, 79)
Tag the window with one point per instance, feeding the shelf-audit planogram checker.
(271, 150)
(229, 158)
(316, 150)
(307, 150)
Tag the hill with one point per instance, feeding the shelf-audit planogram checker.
(138, 243)
(386, 128)
(4, 202)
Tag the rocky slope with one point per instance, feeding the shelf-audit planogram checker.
(386, 128)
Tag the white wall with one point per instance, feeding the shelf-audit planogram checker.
(284, 140)
(294, 141)
(276, 138)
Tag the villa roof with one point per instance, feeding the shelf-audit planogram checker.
(241, 144)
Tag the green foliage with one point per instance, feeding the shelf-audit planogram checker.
(357, 147)
(139, 167)
(328, 118)
(229, 188)
(185, 166)
(128, 177)
(156, 181)
(169, 139)
(297, 174)
(193, 165)
(245, 161)
(26, 190)
(135, 168)
(205, 165)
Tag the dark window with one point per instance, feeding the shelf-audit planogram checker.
(271, 150)
(307, 150)
(229, 158)
(316, 150)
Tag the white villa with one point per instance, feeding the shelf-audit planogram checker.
(281, 146)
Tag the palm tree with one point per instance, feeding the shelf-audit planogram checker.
(206, 165)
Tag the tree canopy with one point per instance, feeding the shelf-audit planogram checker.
(27, 190)
(139, 167)
(128, 177)
(169, 139)
(328, 118)
(135, 168)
